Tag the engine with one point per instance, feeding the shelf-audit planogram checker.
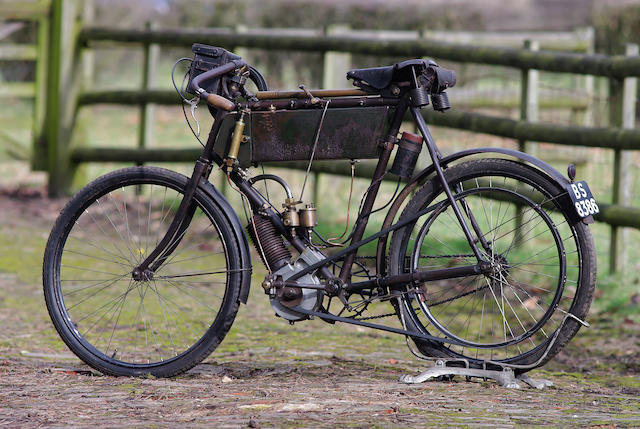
(285, 300)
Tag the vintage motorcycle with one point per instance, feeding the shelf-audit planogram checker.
(485, 256)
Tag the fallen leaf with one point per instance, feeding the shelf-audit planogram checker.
(301, 407)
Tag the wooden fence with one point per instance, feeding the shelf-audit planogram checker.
(16, 15)
(69, 37)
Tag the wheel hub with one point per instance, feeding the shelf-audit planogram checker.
(498, 273)
(290, 296)
(142, 275)
(500, 266)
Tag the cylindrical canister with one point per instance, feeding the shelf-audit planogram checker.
(238, 131)
(308, 216)
(409, 148)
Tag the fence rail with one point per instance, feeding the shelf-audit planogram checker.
(611, 214)
(24, 10)
(610, 138)
(617, 66)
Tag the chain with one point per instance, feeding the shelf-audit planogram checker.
(444, 301)
(377, 317)
(381, 316)
(384, 297)
(446, 256)
(461, 255)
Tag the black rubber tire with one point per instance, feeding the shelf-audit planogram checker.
(586, 273)
(211, 336)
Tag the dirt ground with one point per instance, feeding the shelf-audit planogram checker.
(269, 374)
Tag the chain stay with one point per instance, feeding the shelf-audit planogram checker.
(397, 295)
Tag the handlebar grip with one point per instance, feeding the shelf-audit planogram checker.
(220, 102)
(213, 73)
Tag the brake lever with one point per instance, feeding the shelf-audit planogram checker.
(193, 104)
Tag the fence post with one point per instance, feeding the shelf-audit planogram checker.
(39, 153)
(336, 64)
(151, 52)
(589, 81)
(529, 96)
(528, 112)
(622, 113)
(240, 50)
(84, 63)
(88, 57)
(334, 74)
(62, 92)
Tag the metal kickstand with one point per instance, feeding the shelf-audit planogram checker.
(504, 374)
(448, 368)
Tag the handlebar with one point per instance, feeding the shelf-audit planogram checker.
(216, 100)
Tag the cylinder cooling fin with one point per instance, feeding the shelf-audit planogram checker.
(419, 97)
(271, 245)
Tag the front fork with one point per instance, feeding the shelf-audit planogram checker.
(176, 229)
(435, 157)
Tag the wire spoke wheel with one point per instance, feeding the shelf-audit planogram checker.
(164, 321)
(542, 259)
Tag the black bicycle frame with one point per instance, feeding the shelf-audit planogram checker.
(208, 158)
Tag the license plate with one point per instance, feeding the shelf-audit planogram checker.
(582, 199)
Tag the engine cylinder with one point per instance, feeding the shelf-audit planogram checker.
(271, 242)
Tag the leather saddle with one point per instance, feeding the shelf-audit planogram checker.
(381, 77)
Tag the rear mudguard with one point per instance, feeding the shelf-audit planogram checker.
(551, 173)
(238, 232)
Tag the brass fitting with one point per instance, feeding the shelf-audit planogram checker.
(237, 138)
(290, 217)
(290, 202)
(308, 217)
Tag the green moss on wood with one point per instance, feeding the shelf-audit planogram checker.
(600, 65)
